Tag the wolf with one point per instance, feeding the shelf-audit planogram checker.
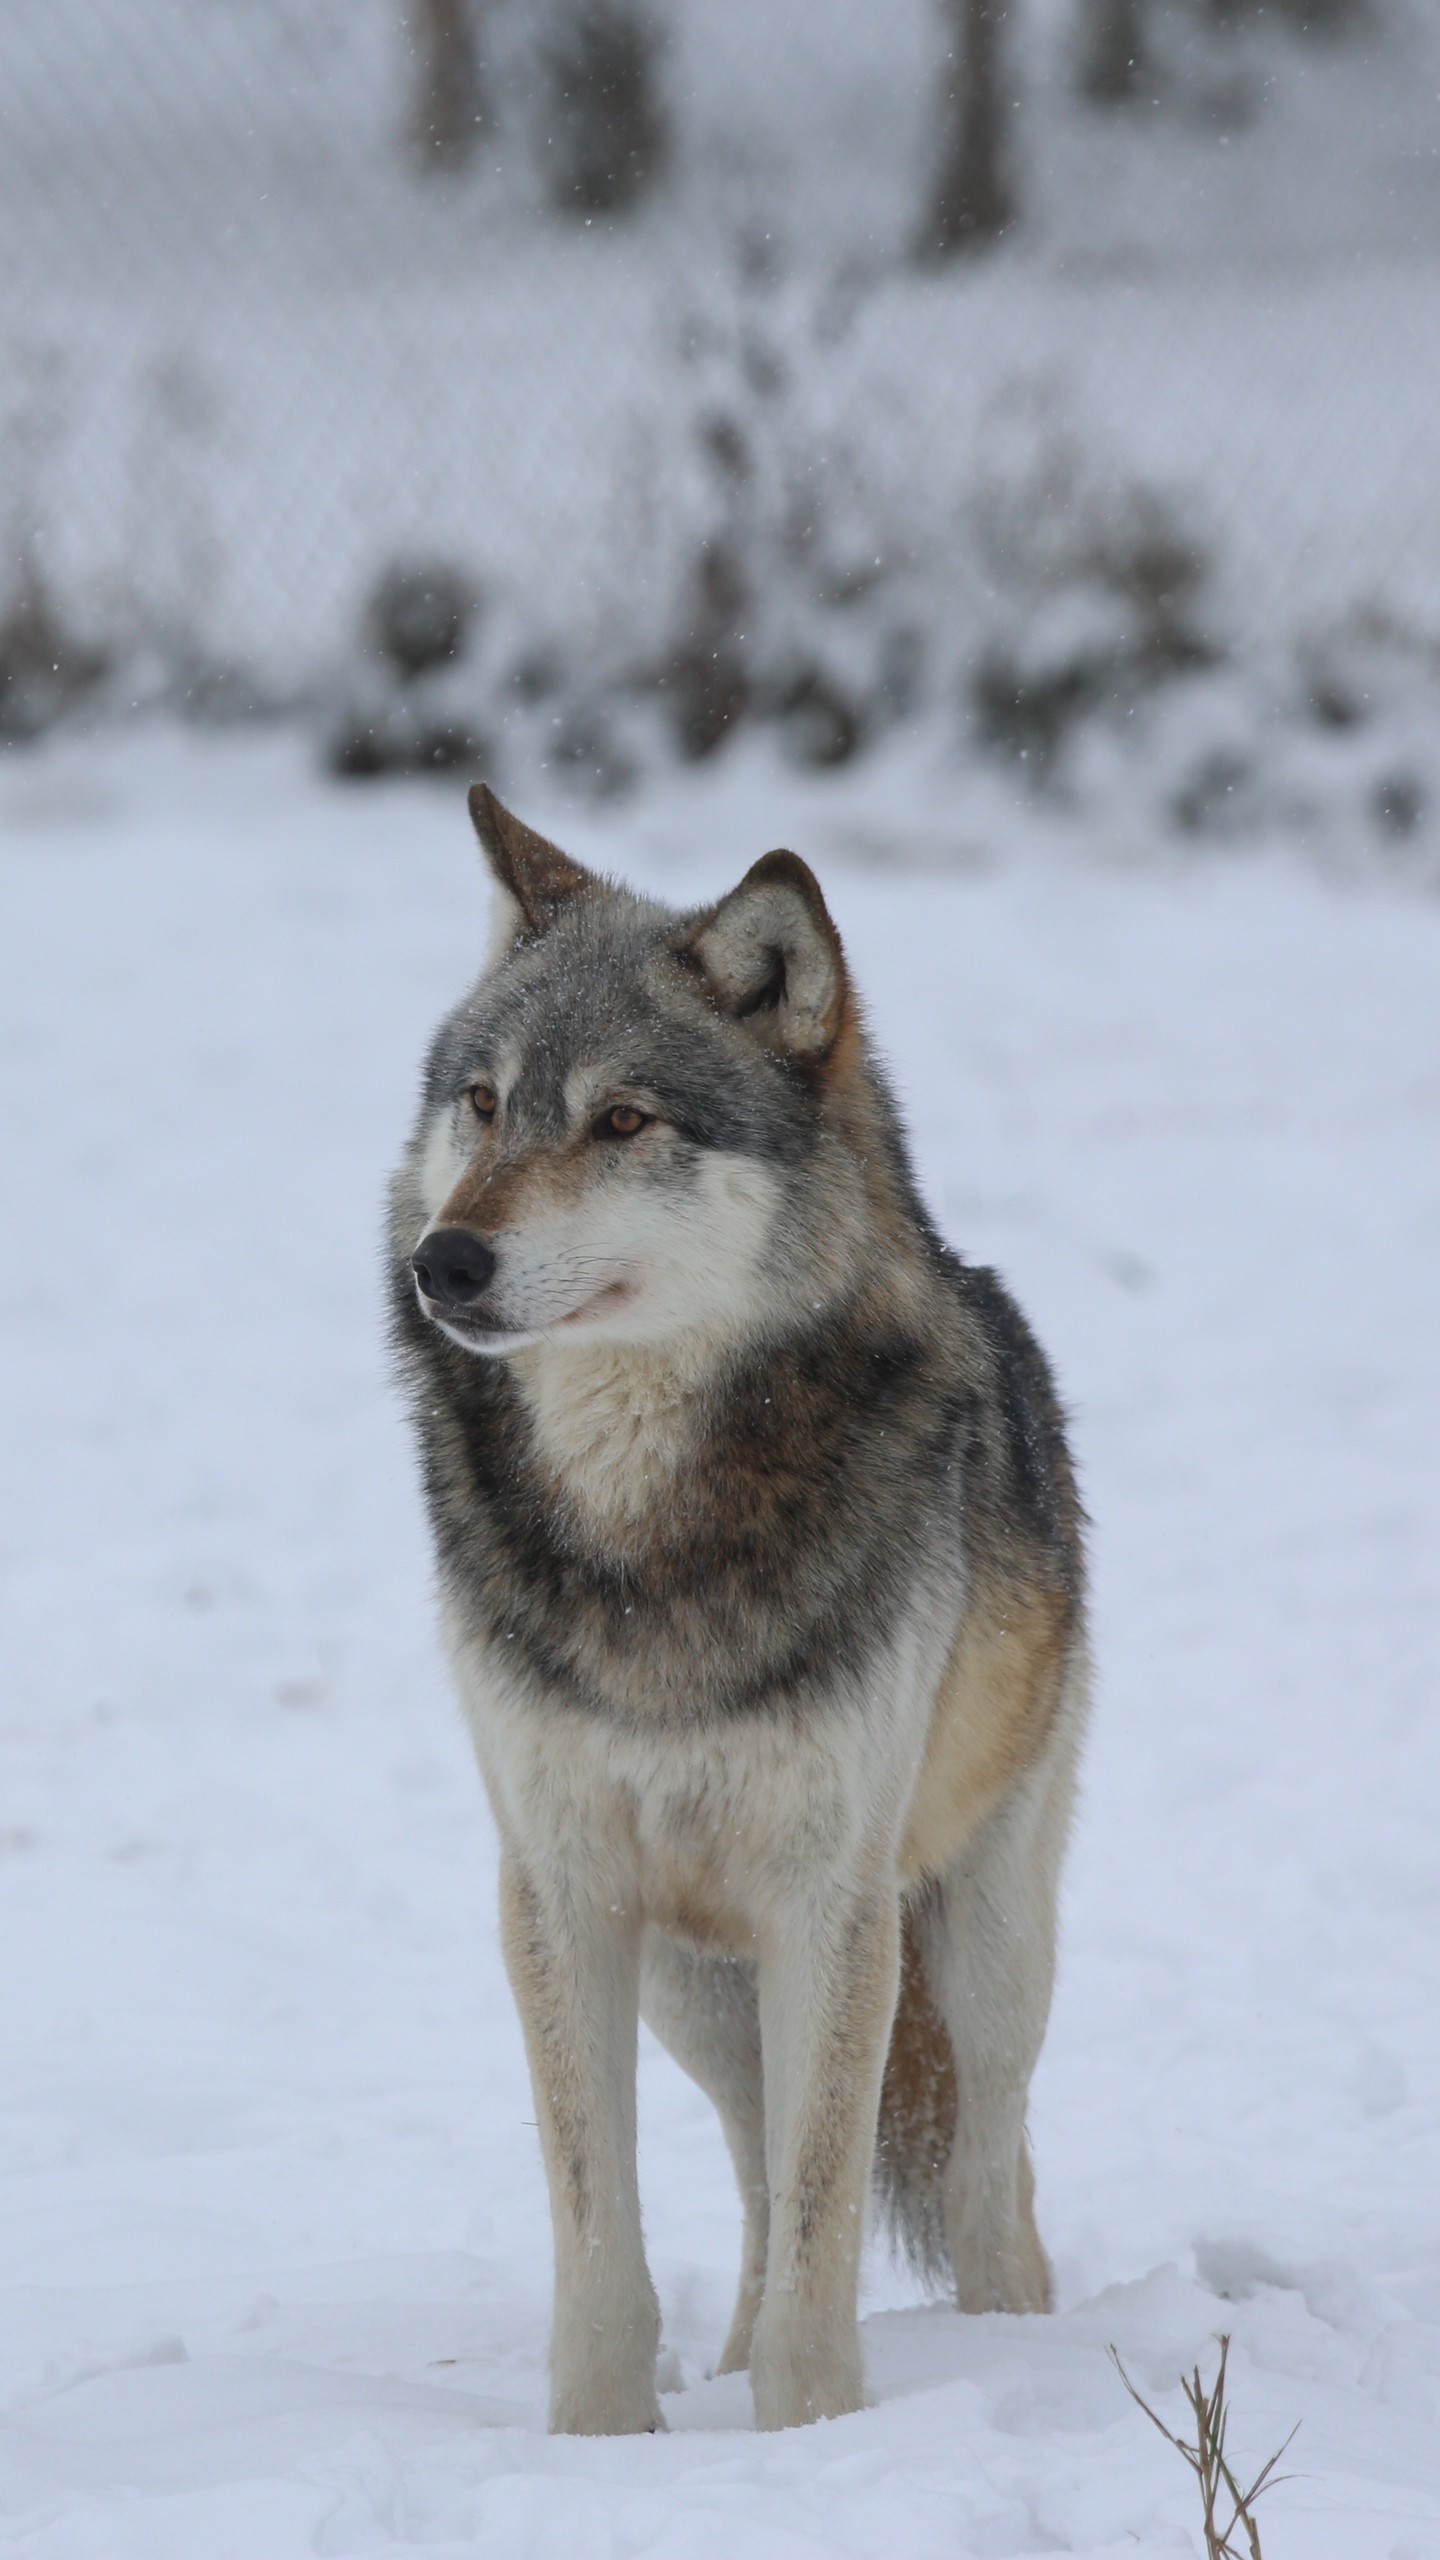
(761, 1574)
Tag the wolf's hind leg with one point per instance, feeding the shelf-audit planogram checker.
(988, 1946)
(706, 2012)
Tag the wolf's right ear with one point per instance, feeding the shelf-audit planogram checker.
(772, 957)
(535, 877)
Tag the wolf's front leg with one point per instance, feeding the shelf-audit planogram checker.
(828, 1984)
(574, 1969)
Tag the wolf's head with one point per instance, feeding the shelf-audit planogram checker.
(640, 1122)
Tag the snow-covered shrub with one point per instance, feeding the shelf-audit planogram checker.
(795, 606)
(1329, 740)
(1095, 589)
(411, 708)
(46, 668)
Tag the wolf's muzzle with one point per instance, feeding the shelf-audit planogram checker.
(453, 1266)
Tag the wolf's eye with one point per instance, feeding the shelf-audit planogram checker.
(622, 1120)
(483, 1100)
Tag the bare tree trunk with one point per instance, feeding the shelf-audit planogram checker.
(605, 130)
(973, 201)
(451, 110)
(1112, 65)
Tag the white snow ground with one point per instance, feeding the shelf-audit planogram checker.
(275, 2248)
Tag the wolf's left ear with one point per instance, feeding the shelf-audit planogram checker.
(534, 873)
(772, 956)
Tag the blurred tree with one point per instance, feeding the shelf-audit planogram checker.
(973, 201)
(1112, 59)
(451, 110)
(604, 127)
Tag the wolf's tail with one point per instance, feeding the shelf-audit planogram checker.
(916, 2133)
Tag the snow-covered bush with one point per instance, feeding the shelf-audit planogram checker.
(1095, 586)
(793, 607)
(1107, 509)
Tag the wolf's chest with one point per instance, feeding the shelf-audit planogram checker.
(643, 1609)
(688, 1599)
(646, 1543)
(609, 1442)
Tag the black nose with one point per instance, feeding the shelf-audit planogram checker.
(452, 1266)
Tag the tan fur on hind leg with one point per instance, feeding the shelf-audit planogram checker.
(987, 1938)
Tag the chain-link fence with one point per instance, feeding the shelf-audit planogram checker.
(334, 371)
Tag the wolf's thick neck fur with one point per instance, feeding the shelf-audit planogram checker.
(614, 1422)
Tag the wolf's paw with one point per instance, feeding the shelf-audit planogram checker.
(603, 2352)
(1012, 2275)
(796, 2380)
(602, 2410)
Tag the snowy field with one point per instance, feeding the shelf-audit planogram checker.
(275, 2246)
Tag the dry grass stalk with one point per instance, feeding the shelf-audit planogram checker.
(1207, 2459)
